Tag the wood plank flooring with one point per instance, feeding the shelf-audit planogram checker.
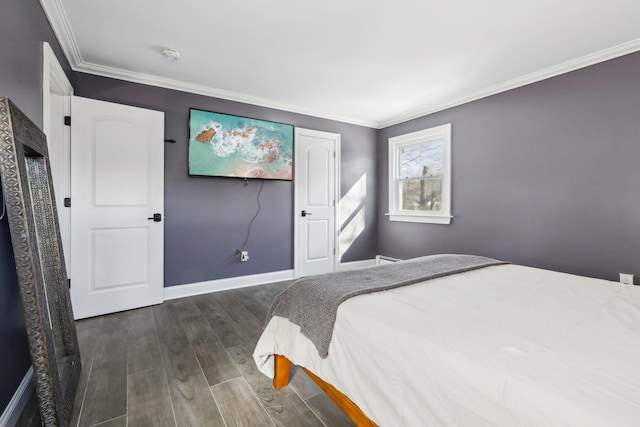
(188, 362)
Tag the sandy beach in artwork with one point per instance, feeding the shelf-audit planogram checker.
(252, 170)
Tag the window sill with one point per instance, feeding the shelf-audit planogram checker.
(429, 219)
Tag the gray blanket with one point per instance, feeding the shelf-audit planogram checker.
(312, 302)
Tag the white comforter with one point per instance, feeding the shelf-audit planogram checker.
(501, 346)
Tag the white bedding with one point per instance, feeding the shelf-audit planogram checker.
(501, 346)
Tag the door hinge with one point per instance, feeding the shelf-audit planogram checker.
(334, 154)
(69, 283)
(67, 202)
(334, 251)
(67, 120)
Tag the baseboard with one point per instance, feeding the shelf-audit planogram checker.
(191, 289)
(352, 265)
(199, 288)
(383, 259)
(19, 400)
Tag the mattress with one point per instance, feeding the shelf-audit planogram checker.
(505, 345)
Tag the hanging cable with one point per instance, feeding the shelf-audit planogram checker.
(254, 217)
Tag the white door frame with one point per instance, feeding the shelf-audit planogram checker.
(54, 80)
(296, 203)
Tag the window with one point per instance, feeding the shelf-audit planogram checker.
(420, 176)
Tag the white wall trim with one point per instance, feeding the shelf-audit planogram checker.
(57, 17)
(19, 400)
(62, 29)
(556, 70)
(59, 22)
(352, 265)
(53, 76)
(147, 79)
(199, 288)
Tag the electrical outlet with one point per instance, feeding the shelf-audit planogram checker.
(244, 255)
(626, 279)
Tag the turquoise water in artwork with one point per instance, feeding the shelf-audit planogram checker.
(224, 145)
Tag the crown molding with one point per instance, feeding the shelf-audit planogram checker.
(556, 70)
(58, 19)
(148, 79)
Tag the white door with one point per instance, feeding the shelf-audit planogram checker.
(56, 96)
(117, 186)
(316, 180)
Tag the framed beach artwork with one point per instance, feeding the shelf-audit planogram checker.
(239, 147)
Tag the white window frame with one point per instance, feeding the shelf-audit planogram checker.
(396, 213)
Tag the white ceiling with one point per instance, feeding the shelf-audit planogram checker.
(370, 62)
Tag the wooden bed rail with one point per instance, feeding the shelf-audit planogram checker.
(282, 367)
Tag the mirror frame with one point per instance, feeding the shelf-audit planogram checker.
(35, 236)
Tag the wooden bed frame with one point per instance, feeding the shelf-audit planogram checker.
(282, 367)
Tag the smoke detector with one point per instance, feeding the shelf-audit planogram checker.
(171, 54)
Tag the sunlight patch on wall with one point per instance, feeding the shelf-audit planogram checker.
(352, 214)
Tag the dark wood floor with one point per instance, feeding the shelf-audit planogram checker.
(187, 362)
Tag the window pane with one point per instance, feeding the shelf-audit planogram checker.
(422, 194)
(425, 159)
(420, 176)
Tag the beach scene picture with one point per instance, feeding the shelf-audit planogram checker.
(233, 146)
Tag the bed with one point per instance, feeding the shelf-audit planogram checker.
(503, 345)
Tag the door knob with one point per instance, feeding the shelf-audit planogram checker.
(156, 217)
(305, 213)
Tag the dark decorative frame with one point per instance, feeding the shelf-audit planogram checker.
(35, 236)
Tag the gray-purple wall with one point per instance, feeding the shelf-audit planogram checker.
(207, 217)
(546, 175)
(23, 28)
